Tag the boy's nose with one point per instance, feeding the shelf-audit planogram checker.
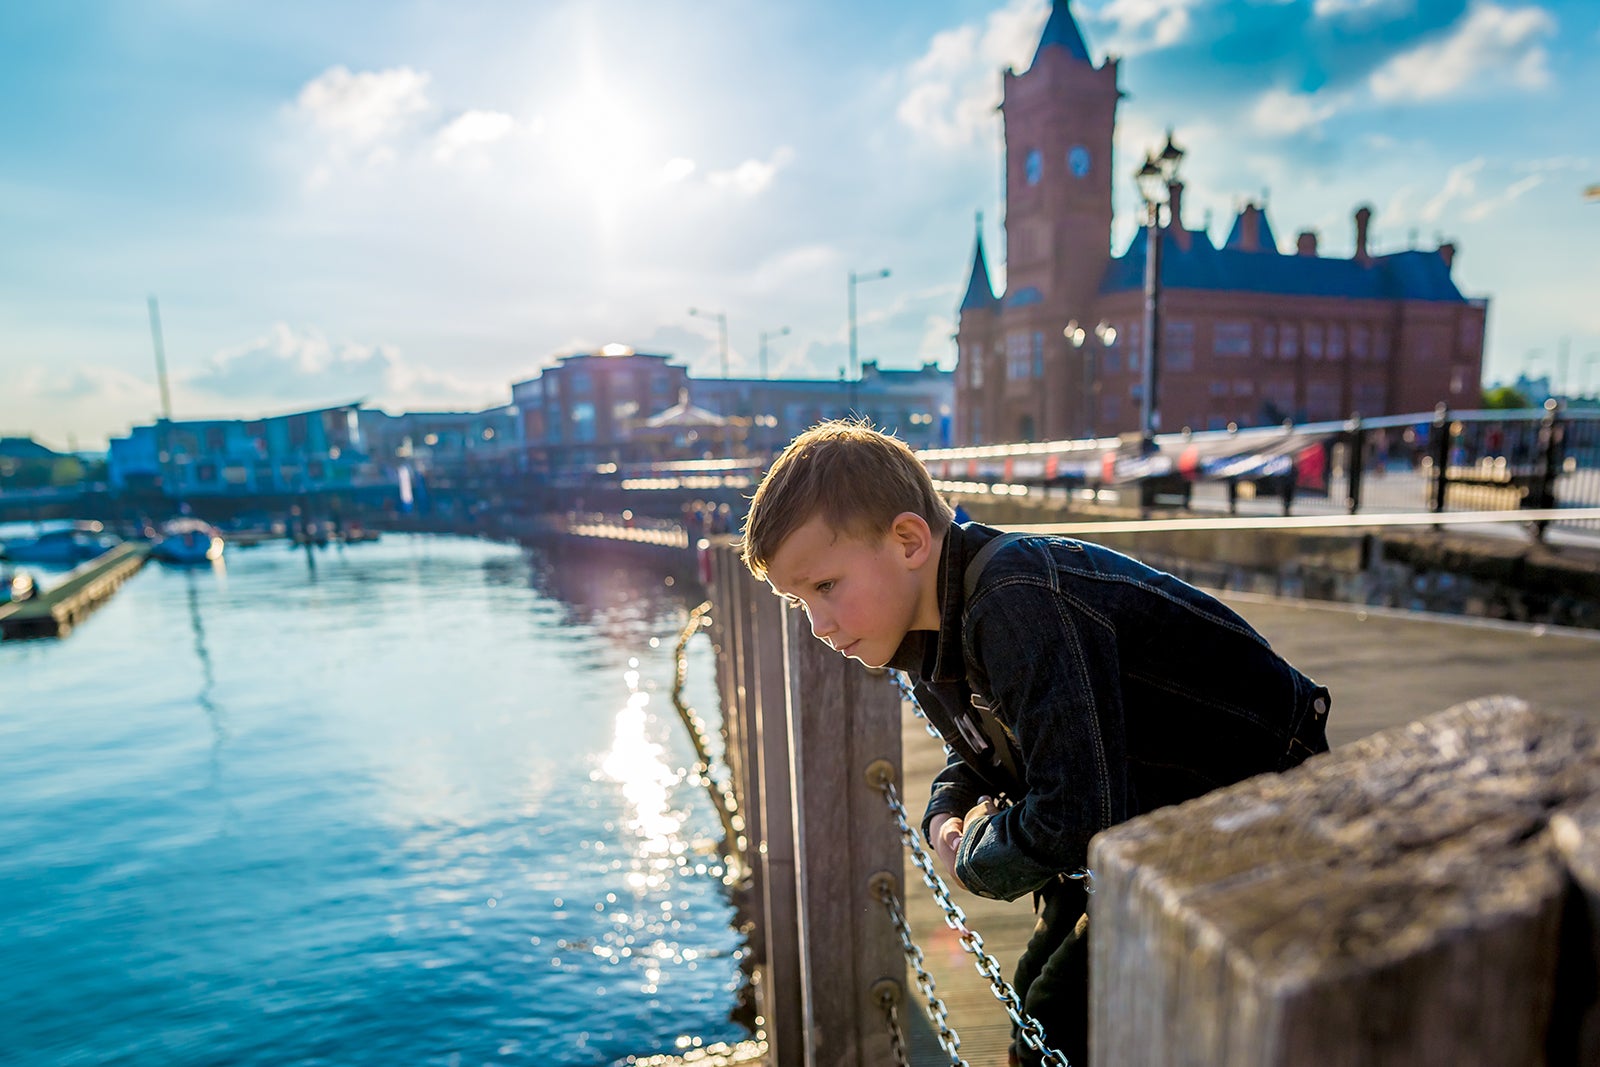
(821, 625)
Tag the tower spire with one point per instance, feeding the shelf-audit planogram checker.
(980, 291)
(1061, 31)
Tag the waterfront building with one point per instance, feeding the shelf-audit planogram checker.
(1252, 333)
(427, 440)
(594, 408)
(916, 406)
(304, 451)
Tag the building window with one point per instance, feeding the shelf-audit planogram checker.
(1243, 387)
(583, 422)
(578, 383)
(1380, 345)
(1314, 340)
(1038, 355)
(977, 366)
(1359, 342)
(1231, 339)
(1369, 398)
(1335, 341)
(1016, 356)
(1110, 409)
(1288, 342)
(1269, 340)
(1219, 388)
(1178, 351)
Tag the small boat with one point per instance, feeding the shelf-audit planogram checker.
(15, 586)
(187, 540)
(71, 544)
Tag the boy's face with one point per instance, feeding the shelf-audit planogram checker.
(861, 595)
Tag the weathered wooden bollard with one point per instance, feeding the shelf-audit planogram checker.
(1403, 900)
(804, 727)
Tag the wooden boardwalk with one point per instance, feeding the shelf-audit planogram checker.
(1384, 668)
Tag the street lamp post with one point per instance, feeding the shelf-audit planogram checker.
(1075, 334)
(722, 332)
(1155, 180)
(855, 365)
(764, 335)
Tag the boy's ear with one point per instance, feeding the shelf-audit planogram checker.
(913, 537)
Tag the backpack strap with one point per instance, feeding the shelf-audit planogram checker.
(969, 580)
(994, 730)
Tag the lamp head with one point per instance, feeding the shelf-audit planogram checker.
(1152, 183)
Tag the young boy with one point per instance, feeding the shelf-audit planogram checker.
(1076, 687)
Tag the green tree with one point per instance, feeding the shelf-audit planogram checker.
(1505, 398)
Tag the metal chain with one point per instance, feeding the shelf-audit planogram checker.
(902, 684)
(938, 1014)
(1032, 1033)
(722, 796)
(897, 1036)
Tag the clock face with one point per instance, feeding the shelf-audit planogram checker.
(1034, 167)
(1078, 161)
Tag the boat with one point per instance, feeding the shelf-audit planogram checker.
(15, 586)
(70, 544)
(187, 540)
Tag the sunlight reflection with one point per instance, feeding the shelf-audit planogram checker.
(635, 763)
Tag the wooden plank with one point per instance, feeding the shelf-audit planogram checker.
(1395, 902)
(780, 991)
(841, 720)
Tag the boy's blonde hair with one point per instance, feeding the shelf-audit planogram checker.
(857, 478)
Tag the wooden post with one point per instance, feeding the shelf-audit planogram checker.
(752, 785)
(842, 720)
(1575, 1034)
(1398, 901)
(780, 990)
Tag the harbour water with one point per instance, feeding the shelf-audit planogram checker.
(422, 801)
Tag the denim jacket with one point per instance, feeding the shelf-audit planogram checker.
(1115, 688)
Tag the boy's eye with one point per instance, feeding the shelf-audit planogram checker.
(823, 587)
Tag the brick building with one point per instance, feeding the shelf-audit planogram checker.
(1251, 333)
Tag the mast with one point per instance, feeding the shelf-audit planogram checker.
(161, 360)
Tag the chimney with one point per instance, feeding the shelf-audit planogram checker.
(1447, 252)
(1175, 213)
(1250, 229)
(1363, 220)
(1306, 244)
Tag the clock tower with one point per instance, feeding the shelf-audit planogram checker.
(1059, 116)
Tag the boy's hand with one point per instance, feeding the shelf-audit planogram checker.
(946, 833)
(982, 809)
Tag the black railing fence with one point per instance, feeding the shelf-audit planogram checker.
(1438, 461)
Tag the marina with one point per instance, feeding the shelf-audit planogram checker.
(416, 801)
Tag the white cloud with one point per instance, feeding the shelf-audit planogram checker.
(953, 88)
(1459, 184)
(367, 107)
(287, 367)
(753, 176)
(1278, 112)
(1492, 45)
(1484, 208)
(677, 169)
(1327, 9)
(1137, 26)
(471, 130)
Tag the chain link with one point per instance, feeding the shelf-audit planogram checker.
(938, 1014)
(906, 691)
(1032, 1033)
(897, 1036)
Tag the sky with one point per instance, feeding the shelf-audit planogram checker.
(415, 204)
